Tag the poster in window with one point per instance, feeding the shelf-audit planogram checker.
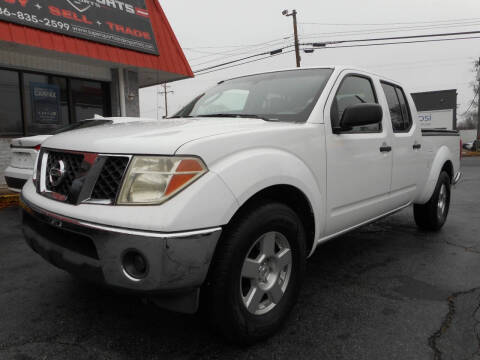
(45, 103)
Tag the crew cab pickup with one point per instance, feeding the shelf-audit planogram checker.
(220, 206)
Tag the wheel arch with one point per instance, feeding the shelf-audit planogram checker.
(441, 162)
(289, 195)
(448, 168)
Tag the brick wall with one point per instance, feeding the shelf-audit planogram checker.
(4, 157)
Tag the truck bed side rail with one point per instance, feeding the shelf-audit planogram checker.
(439, 132)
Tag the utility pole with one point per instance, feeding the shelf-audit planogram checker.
(165, 92)
(295, 34)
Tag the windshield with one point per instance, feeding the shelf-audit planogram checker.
(278, 96)
(81, 125)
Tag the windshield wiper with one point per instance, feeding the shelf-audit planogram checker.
(237, 116)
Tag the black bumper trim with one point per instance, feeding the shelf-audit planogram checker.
(15, 183)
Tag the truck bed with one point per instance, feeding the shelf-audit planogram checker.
(439, 132)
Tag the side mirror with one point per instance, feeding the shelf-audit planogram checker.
(360, 114)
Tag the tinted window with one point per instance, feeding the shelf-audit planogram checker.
(283, 95)
(88, 99)
(393, 106)
(407, 119)
(61, 82)
(353, 90)
(399, 112)
(10, 107)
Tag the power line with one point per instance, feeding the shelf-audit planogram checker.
(238, 46)
(393, 43)
(473, 101)
(395, 23)
(387, 30)
(246, 62)
(233, 54)
(238, 49)
(415, 65)
(324, 45)
(400, 37)
(245, 58)
(427, 62)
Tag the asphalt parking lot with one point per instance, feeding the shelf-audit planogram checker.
(385, 291)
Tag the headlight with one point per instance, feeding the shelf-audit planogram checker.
(154, 179)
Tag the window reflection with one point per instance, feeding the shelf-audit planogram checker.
(10, 106)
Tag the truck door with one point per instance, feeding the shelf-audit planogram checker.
(359, 161)
(407, 167)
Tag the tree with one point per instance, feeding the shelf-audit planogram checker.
(470, 117)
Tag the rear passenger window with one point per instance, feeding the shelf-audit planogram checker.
(397, 104)
(407, 119)
(353, 90)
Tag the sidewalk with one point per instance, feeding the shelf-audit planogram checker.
(8, 198)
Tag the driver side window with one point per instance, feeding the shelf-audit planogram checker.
(353, 90)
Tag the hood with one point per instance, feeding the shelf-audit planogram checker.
(149, 137)
(30, 141)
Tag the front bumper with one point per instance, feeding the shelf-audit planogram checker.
(175, 261)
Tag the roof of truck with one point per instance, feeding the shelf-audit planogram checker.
(333, 67)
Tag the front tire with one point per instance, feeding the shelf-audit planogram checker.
(256, 273)
(432, 215)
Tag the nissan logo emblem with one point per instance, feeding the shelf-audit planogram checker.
(57, 173)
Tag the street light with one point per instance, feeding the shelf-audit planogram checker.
(295, 33)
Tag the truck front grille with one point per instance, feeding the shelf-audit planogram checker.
(72, 167)
(77, 177)
(109, 181)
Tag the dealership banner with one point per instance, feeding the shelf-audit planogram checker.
(123, 24)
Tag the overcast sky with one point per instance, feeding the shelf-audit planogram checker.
(215, 31)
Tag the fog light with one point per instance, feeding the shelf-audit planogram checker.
(135, 265)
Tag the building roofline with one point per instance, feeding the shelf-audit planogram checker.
(171, 58)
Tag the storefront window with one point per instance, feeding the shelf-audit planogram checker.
(50, 102)
(61, 82)
(46, 103)
(88, 99)
(10, 104)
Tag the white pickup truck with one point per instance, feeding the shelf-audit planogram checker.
(220, 206)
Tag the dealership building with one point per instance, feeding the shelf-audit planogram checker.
(62, 61)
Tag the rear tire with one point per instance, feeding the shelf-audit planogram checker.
(432, 215)
(252, 284)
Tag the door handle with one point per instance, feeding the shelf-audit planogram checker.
(385, 148)
(416, 146)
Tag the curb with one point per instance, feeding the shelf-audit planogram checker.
(9, 200)
(470, 154)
